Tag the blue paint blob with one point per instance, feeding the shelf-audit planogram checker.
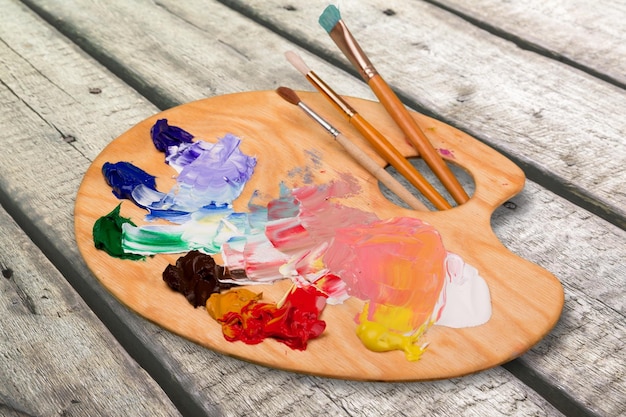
(163, 135)
(124, 178)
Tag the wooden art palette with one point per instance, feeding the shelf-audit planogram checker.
(289, 147)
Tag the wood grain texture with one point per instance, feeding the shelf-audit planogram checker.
(591, 332)
(439, 63)
(56, 357)
(523, 104)
(39, 75)
(542, 112)
(263, 118)
(589, 35)
(582, 250)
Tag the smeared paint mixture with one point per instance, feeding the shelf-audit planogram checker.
(329, 251)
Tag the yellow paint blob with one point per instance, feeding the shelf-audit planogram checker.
(377, 335)
(234, 300)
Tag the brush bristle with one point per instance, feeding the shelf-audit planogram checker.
(295, 60)
(289, 95)
(329, 18)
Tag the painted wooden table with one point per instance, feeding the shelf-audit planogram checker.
(542, 83)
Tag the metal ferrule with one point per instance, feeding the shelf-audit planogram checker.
(335, 98)
(351, 49)
(334, 132)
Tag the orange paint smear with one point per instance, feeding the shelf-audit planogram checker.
(398, 266)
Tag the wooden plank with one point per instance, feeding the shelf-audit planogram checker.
(35, 127)
(586, 35)
(564, 127)
(542, 218)
(57, 357)
(587, 254)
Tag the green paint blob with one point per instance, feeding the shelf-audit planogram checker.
(160, 239)
(107, 235)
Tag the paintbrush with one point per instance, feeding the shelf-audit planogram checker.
(331, 21)
(355, 152)
(382, 146)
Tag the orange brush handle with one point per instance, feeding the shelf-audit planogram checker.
(398, 161)
(403, 119)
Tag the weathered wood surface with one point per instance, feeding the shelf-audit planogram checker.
(39, 129)
(588, 255)
(54, 124)
(45, 98)
(56, 357)
(587, 35)
(536, 110)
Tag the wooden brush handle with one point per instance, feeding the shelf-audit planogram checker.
(380, 173)
(398, 161)
(403, 119)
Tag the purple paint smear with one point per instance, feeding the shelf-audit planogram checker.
(211, 175)
(165, 136)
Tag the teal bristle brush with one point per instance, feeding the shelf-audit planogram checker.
(331, 21)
